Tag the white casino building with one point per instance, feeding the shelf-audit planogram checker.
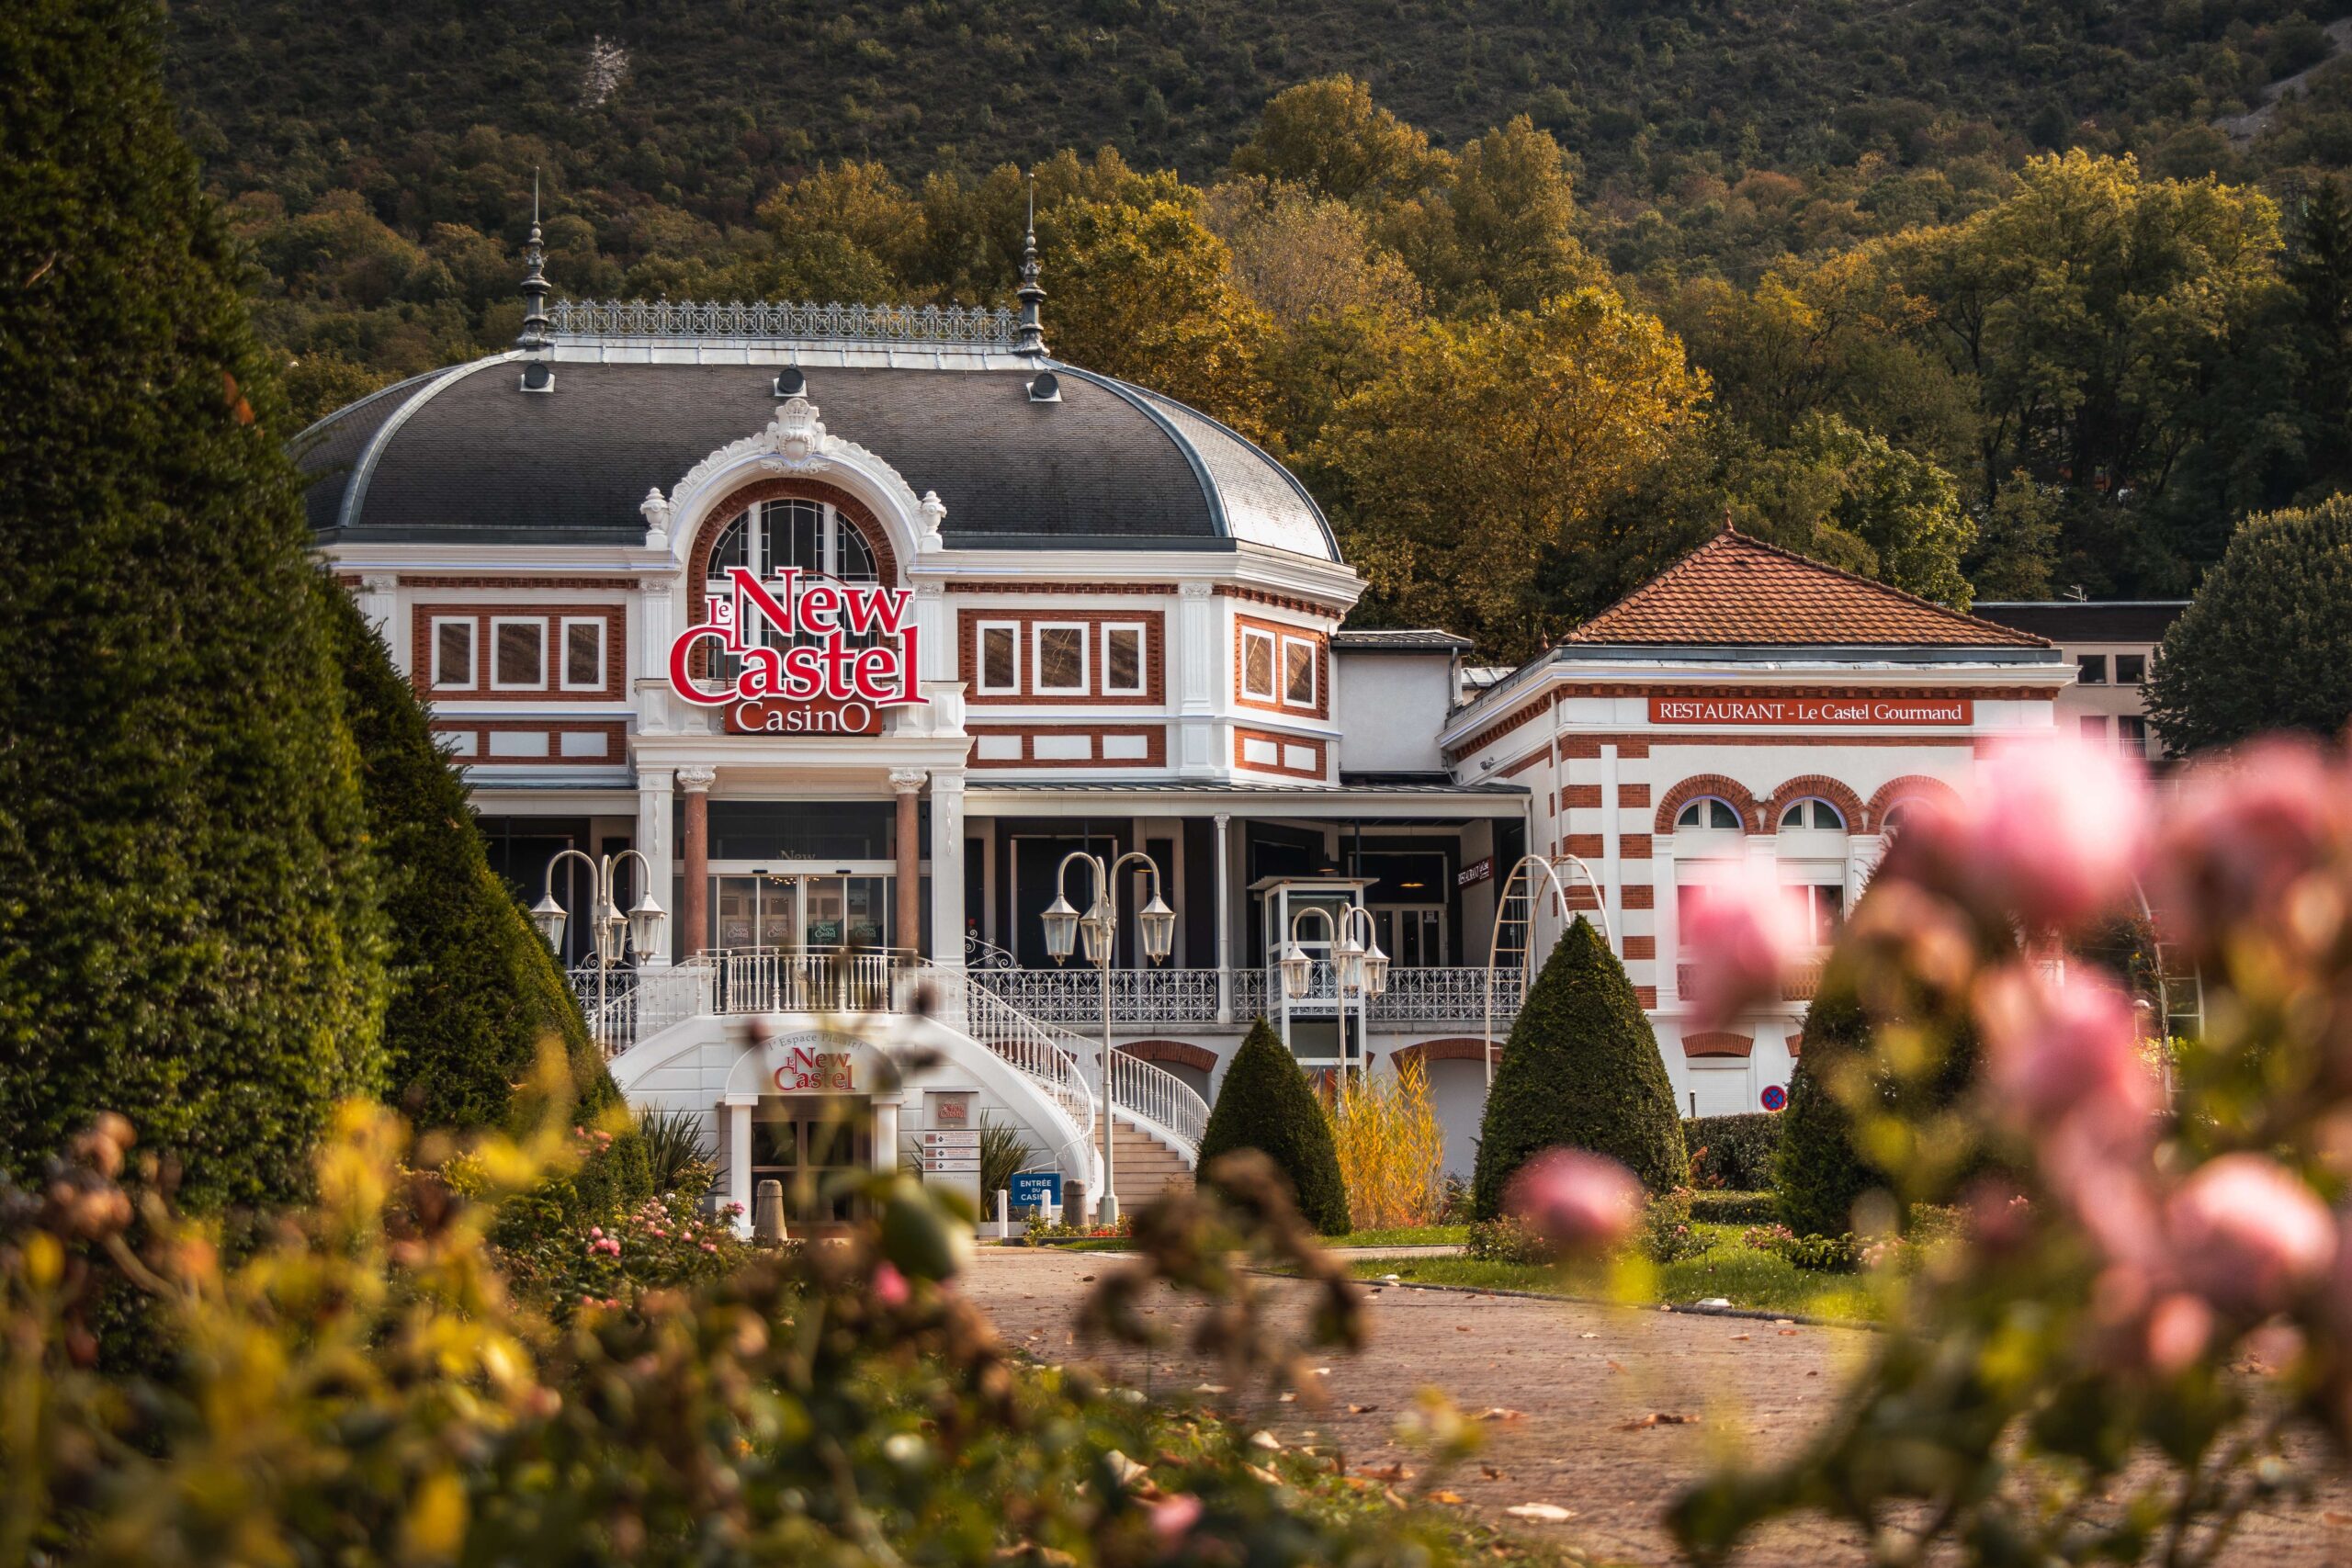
(854, 623)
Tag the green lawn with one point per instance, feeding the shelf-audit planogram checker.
(1743, 1277)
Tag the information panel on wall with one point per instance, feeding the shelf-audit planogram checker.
(1816, 712)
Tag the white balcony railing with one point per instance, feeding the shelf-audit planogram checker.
(1155, 999)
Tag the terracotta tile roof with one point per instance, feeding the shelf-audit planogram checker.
(1737, 590)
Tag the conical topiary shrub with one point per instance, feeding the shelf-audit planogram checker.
(1818, 1174)
(1266, 1103)
(1581, 1069)
(188, 930)
(476, 992)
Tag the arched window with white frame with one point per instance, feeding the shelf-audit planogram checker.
(771, 536)
(1709, 814)
(1812, 814)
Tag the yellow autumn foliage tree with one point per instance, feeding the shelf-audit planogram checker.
(1391, 1146)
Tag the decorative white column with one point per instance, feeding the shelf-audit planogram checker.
(936, 655)
(1224, 923)
(947, 867)
(654, 843)
(735, 1113)
(1611, 893)
(1666, 910)
(378, 598)
(657, 600)
(1195, 663)
(885, 1134)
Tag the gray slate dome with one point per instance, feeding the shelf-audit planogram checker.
(465, 457)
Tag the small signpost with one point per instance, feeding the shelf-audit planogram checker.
(951, 1152)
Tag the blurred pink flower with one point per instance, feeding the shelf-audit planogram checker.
(1739, 936)
(2179, 1330)
(2052, 832)
(2070, 1051)
(2248, 1233)
(1580, 1201)
(890, 1285)
(2250, 826)
(1172, 1518)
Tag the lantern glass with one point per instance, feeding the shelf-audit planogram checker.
(1348, 959)
(1298, 969)
(1375, 970)
(646, 919)
(610, 924)
(1095, 931)
(1061, 929)
(1158, 922)
(549, 915)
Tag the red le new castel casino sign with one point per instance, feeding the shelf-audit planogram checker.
(1833, 711)
(810, 677)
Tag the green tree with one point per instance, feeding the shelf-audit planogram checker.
(1498, 233)
(476, 991)
(189, 931)
(2262, 645)
(1856, 501)
(1328, 136)
(1817, 1175)
(1531, 425)
(1582, 1069)
(1265, 1104)
(1145, 293)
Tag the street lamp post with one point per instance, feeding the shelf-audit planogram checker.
(1099, 928)
(1360, 969)
(605, 921)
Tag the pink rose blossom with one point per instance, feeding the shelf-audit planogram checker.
(1741, 934)
(2070, 1051)
(2248, 827)
(1580, 1202)
(2247, 1232)
(1172, 1518)
(2179, 1330)
(890, 1285)
(2053, 832)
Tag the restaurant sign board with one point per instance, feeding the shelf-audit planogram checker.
(1855, 712)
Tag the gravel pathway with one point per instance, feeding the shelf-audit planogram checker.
(1586, 1406)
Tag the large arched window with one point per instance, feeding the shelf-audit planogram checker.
(1709, 814)
(772, 536)
(1897, 814)
(1811, 814)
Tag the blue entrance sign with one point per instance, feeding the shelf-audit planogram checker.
(1035, 1189)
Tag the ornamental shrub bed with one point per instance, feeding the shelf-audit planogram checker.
(1733, 1151)
(1724, 1207)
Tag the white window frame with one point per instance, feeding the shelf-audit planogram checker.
(1037, 630)
(473, 652)
(980, 658)
(1273, 692)
(1783, 826)
(498, 686)
(1738, 826)
(1314, 674)
(596, 624)
(1143, 659)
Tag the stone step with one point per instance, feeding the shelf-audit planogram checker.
(1144, 1168)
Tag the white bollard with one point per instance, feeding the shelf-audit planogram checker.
(1003, 1214)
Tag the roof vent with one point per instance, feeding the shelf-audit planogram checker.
(1045, 389)
(791, 383)
(537, 377)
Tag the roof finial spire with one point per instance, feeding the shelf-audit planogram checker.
(1032, 338)
(535, 281)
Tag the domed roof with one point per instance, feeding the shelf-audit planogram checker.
(466, 456)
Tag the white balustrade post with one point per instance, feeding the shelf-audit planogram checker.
(948, 869)
(1223, 924)
(735, 1111)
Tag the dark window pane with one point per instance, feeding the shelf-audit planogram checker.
(1298, 674)
(519, 653)
(2130, 669)
(453, 660)
(856, 564)
(1125, 657)
(1258, 666)
(2090, 669)
(584, 654)
(1001, 659)
(1061, 658)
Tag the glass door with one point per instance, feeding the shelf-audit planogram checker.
(816, 1145)
(755, 911)
(1413, 938)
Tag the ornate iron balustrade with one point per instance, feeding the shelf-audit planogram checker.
(1801, 984)
(960, 326)
(1154, 998)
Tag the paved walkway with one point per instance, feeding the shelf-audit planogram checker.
(1573, 1389)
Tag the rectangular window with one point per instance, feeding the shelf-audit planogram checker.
(1061, 659)
(453, 655)
(2094, 729)
(1258, 665)
(2130, 669)
(2131, 735)
(583, 656)
(1825, 910)
(518, 658)
(1123, 662)
(2090, 669)
(1000, 655)
(1298, 673)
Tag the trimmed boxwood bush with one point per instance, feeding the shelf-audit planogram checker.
(1266, 1103)
(1733, 1151)
(188, 928)
(1818, 1174)
(1721, 1208)
(1582, 1069)
(476, 992)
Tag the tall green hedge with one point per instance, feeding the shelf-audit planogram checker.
(1818, 1174)
(1736, 1150)
(1581, 1069)
(188, 928)
(1266, 1103)
(475, 991)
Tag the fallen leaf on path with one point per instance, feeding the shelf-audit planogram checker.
(1462, 1328)
(1588, 1335)
(1491, 1472)
(1541, 1512)
(1362, 1409)
(1660, 1418)
(1742, 1337)
(1267, 1441)
(1787, 1334)
(1446, 1498)
(1615, 1367)
(1268, 1476)
(1086, 1278)
(1386, 1471)
(1210, 1388)
(1501, 1413)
